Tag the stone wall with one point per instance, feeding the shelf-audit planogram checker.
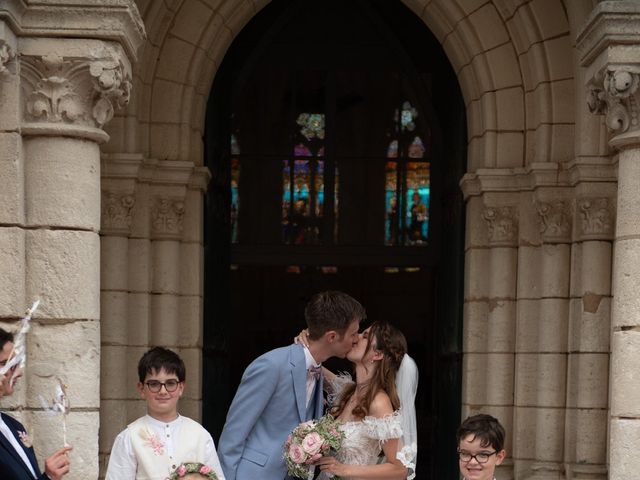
(61, 78)
(109, 234)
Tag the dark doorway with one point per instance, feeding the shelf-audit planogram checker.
(336, 137)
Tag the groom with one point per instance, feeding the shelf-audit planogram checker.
(283, 388)
(17, 458)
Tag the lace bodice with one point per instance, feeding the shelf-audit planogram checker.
(364, 438)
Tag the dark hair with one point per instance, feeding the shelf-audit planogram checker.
(391, 342)
(331, 310)
(486, 428)
(5, 337)
(159, 358)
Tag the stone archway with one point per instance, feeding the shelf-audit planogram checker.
(515, 64)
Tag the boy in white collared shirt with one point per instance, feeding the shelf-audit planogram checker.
(152, 447)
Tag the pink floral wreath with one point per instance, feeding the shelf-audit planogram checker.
(193, 467)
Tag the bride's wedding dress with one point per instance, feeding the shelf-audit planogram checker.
(364, 438)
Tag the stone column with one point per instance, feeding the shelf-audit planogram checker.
(609, 47)
(502, 225)
(489, 310)
(589, 323)
(71, 76)
(543, 306)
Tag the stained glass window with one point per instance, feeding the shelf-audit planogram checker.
(407, 182)
(303, 184)
(235, 180)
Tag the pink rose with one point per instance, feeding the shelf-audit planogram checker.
(182, 470)
(205, 469)
(312, 443)
(296, 454)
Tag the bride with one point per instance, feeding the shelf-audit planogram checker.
(377, 410)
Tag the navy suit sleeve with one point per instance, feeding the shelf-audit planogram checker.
(256, 389)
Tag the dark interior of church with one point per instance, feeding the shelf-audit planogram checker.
(336, 137)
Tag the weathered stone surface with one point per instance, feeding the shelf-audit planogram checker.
(114, 260)
(588, 377)
(62, 182)
(81, 426)
(540, 380)
(12, 271)
(542, 325)
(139, 270)
(589, 332)
(625, 374)
(191, 269)
(626, 283)
(63, 271)
(165, 310)
(71, 352)
(113, 364)
(114, 316)
(11, 178)
(191, 315)
(625, 437)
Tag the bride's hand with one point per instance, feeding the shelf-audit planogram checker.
(331, 465)
(302, 338)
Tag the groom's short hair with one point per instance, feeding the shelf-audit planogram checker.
(5, 337)
(332, 310)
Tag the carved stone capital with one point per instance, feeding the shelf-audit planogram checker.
(116, 212)
(167, 215)
(65, 92)
(607, 46)
(6, 55)
(502, 225)
(614, 93)
(555, 221)
(596, 218)
(7, 49)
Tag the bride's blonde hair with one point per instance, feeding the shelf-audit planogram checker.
(391, 342)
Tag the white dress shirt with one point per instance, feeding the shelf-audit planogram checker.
(6, 431)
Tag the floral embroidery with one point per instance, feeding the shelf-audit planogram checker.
(153, 441)
(25, 439)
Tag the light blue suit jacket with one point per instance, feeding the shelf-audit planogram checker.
(269, 404)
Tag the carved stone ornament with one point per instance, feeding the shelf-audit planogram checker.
(502, 223)
(597, 218)
(6, 55)
(614, 92)
(167, 215)
(74, 90)
(555, 221)
(116, 211)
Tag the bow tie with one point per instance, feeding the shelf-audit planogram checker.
(315, 371)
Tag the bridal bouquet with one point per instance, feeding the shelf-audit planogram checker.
(308, 442)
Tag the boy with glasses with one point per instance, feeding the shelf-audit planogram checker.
(480, 447)
(152, 447)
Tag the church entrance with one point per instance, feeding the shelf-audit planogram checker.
(336, 138)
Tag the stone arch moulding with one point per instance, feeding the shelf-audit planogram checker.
(508, 56)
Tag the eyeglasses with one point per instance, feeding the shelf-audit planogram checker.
(482, 457)
(155, 386)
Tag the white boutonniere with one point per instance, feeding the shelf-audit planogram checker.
(25, 439)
